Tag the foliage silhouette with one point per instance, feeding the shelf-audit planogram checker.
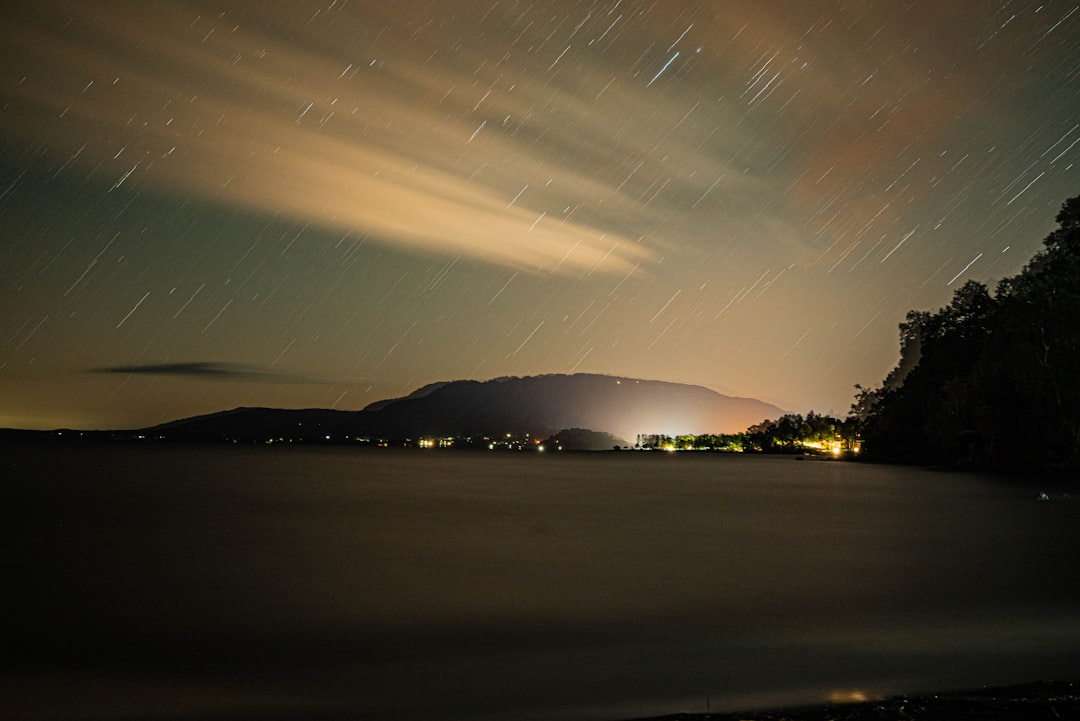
(991, 380)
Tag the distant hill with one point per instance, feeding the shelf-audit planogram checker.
(540, 406)
(257, 424)
(582, 439)
(543, 405)
(418, 393)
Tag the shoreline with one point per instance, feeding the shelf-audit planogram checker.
(1033, 701)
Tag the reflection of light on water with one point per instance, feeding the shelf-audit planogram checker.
(851, 695)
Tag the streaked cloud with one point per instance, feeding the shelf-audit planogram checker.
(382, 149)
(210, 370)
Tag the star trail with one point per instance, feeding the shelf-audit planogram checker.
(320, 204)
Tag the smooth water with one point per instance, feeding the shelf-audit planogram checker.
(249, 582)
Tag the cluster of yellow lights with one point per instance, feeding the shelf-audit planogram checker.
(834, 447)
(435, 442)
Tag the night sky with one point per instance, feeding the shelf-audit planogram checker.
(206, 205)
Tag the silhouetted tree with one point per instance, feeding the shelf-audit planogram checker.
(990, 380)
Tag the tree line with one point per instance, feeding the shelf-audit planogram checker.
(991, 381)
(791, 433)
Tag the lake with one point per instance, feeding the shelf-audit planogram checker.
(209, 582)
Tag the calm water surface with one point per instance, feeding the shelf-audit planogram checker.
(230, 582)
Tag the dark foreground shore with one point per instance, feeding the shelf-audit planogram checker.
(1051, 700)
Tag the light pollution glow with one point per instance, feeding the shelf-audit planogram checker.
(747, 196)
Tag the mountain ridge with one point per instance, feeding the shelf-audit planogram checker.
(537, 406)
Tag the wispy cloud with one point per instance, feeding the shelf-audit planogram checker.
(210, 370)
(514, 151)
(390, 149)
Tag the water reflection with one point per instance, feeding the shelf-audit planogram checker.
(458, 585)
